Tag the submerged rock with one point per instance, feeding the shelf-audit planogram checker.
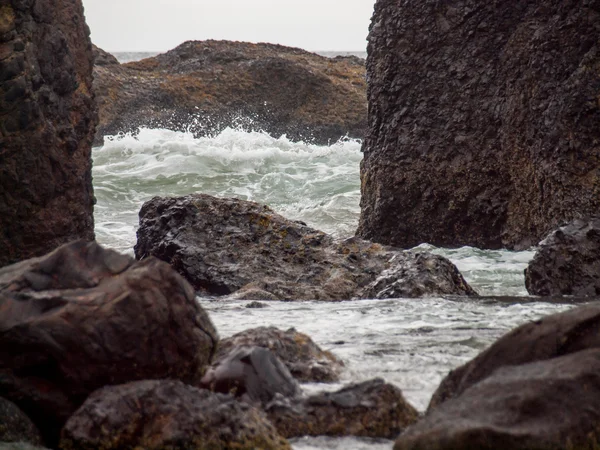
(206, 86)
(83, 317)
(167, 414)
(483, 121)
(371, 409)
(47, 123)
(15, 426)
(567, 262)
(222, 245)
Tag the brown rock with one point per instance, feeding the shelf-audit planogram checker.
(47, 123)
(83, 317)
(482, 121)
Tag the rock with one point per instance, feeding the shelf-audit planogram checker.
(304, 359)
(47, 123)
(84, 317)
(550, 337)
(252, 373)
(167, 414)
(206, 86)
(223, 245)
(102, 58)
(371, 409)
(567, 262)
(550, 404)
(256, 305)
(15, 426)
(483, 121)
(19, 446)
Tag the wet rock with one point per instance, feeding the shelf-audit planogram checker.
(206, 86)
(550, 404)
(305, 360)
(167, 414)
(567, 262)
(371, 409)
(482, 122)
(15, 426)
(550, 337)
(84, 317)
(256, 305)
(253, 373)
(47, 123)
(223, 245)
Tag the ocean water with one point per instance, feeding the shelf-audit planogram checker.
(411, 343)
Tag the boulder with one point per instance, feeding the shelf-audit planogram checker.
(206, 86)
(483, 121)
(370, 409)
(549, 337)
(567, 262)
(166, 414)
(253, 373)
(222, 245)
(15, 426)
(545, 405)
(84, 317)
(102, 58)
(47, 123)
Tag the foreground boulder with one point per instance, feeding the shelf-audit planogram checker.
(15, 426)
(370, 409)
(206, 86)
(223, 245)
(545, 405)
(305, 360)
(156, 415)
(567, 261)
(83, 317)
(483, 121)
(47, 123)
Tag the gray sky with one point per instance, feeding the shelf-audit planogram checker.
(159, 25)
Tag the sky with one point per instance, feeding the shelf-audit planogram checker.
(160, 25)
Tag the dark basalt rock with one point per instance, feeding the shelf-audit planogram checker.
(102, 58)
(545, 405)
(224, 245)
(15, 426)
(166, 414)
(47, 123)
(206, 86)
(567, 261)
(83, 317)
(370, 409)
(483, 121)
(303, 358)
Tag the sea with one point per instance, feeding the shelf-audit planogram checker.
(412, 343)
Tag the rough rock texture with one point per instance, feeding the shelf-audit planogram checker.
(83, 317)
(371, 409)
(483, 121)
(545, 405)
(102, 58)
(205, 86)
(161, 415)
(47, 123)
(15, 426)
(305, 360)
(550, 337)
(19, 446)
(567, 261)
(223, 245)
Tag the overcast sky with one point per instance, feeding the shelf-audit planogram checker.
(159, 25)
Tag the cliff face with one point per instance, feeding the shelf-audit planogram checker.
(47, 122)
(483, 121)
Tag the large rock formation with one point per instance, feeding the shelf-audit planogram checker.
(205, 86)
(47, 123)
(483, 121)
(224, 245)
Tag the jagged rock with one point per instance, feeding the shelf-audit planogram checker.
(83, 317)
(483, 121)
(567, 261)
(222, 245)
(102, 58)
(550, 337)
(253, 373)
(304, 359)
(47, 123)
(167, 414)
(371, 409)
(206, 86)
(15, 426)
(550, 404)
